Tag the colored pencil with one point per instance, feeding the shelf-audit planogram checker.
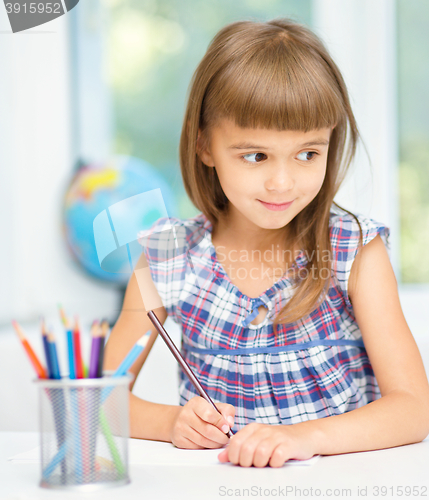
(95, 394)
(55, 367)
(77, 350)
(131, 357)
(75, 401)
(57, 396)
(104, 333)
(70, 344)
(40, 370)
(95, 349)
(107, 433)
(81, 393)
(46, 348)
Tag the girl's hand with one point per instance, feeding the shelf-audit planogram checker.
(262, 444)
(198, 425)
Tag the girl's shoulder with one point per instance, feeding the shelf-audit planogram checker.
(170, 237)
(346, 228)
(166, 244)
(345, 243)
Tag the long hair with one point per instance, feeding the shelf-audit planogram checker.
(273, 75)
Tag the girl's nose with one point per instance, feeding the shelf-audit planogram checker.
(280, 178)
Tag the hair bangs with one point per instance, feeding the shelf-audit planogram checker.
(276, 86)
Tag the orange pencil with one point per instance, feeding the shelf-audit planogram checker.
(77, 350)
(40, 370)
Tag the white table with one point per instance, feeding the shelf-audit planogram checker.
(392, 469)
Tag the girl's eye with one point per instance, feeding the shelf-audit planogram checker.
(255, 157)
(307, 155)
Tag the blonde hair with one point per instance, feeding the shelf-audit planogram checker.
(274, 75)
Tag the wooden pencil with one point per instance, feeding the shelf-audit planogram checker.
(95, 349)
(40, 370)
(46, 348)
(103, 333)
(77, 350)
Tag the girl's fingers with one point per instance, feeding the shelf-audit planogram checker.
(199, 423)
(228, 412)
(200, 433)
(201, 440)
(187, 444)
(210, 431)
(223, 456)
(242, 447)
(263, 452)
(207, 413)
(188, 437)
(279, 456)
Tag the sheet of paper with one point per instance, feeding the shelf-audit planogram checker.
(142, 452)
(27, 457)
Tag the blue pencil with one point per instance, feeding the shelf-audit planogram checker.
(52, 348)
(70, 344)
(130, 358)
(57, 396)
(46, 349)
(74, 403)
(127, 363)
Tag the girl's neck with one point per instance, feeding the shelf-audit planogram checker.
(233, 234)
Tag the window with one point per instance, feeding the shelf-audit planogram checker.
(413, 129)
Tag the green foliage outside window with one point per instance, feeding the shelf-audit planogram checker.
(413, 123)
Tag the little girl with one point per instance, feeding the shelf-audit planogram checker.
(288, 303)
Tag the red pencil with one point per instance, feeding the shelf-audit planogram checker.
(40, 370)
(77, 350)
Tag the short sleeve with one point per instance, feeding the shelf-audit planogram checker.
(344, 233)
(166, 244)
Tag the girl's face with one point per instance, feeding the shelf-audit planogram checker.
(259, 167)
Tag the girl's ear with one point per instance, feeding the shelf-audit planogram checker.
(203, 150)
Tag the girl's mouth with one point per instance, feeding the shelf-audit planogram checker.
(276, 206)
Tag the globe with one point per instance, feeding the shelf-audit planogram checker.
(105, 206)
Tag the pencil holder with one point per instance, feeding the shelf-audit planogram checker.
(84, 428)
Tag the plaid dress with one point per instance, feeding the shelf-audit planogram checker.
(313, 368)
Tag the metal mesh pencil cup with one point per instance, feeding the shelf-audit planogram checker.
(84, 431)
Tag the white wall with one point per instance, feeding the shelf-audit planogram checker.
(36, 158)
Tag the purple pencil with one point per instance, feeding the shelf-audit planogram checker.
(95, 349)
(104, 330)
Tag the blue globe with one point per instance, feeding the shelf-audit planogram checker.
(105, 207)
